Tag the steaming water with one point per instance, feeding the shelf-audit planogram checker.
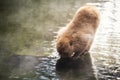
(105, 50)
(106, 46)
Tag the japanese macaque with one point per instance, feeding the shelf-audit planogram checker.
(77, 37)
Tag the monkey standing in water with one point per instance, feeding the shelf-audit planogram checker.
(77, 37)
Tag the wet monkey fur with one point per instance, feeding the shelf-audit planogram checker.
(77, 37)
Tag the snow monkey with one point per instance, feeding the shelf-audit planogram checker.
(77, 37)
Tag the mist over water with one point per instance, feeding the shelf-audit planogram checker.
(106, 46)
(27, 38)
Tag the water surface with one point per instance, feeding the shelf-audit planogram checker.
(27, 39)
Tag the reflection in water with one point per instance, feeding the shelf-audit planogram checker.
(35, 21)
(74, 69)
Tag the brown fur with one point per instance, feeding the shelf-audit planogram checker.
(78, 35)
